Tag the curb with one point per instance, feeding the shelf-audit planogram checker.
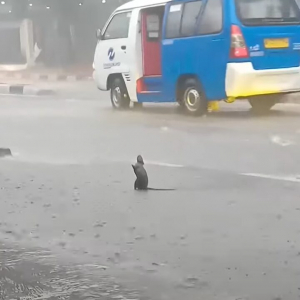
(27, 90)
(45, 77)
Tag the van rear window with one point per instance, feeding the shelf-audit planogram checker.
(268, 12)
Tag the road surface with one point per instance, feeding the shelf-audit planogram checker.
(72, 227)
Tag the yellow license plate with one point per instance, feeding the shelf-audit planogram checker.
(276, 43)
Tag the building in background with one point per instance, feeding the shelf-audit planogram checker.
(51, 33)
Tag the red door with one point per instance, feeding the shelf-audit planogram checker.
(151, 41)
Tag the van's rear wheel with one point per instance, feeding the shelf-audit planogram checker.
(193, 98)
(263, 104)
(118, 94)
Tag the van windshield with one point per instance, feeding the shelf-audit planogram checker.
(268, 12)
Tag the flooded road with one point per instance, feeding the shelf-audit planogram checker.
(34, 274)
(73, 228)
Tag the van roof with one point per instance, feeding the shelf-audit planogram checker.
(141, 3)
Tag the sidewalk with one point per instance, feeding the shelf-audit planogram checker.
(42, 73)
(74, 81)
(78, 89)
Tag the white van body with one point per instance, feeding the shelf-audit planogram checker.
(122, 56)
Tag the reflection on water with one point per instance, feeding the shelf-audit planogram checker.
(26, 275)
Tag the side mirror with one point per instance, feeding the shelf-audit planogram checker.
(99, 34)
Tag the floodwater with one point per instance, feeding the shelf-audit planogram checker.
(34, 274)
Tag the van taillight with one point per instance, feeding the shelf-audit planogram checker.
(238, 47)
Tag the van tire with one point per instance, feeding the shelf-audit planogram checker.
(193, 98)
(118, 94)
(263, 104)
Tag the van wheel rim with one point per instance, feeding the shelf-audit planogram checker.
(192, 99)
(116, 96)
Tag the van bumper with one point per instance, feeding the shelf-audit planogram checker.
(98, 82)
(243, 81)
(95, 78)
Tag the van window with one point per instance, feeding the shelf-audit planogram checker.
(212, 18)
(266, 12)
(174, 21)
(189, 19)
(153, 27)
(118, 27)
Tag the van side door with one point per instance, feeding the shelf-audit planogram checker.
(179, 46)
(171, 49)
(195, 44)
(111, 52)
(213, 47)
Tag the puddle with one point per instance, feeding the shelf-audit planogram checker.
(28, 274)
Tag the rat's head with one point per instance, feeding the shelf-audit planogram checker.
(140, 159)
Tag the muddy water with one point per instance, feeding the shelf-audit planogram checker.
(33, 274)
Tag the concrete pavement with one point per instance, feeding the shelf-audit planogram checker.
(229, 231)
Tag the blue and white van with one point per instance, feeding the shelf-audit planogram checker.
(194, 52)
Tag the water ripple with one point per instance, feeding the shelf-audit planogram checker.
(25, 275)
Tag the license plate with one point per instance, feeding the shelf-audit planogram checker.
(276, 43)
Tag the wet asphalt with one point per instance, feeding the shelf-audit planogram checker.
(35, 274)
(71, 226)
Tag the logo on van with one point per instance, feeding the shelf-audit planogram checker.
(111, 54)
(255, 48)
(296, 46)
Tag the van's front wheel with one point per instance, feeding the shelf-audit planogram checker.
(193, 98)
(118, 94)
